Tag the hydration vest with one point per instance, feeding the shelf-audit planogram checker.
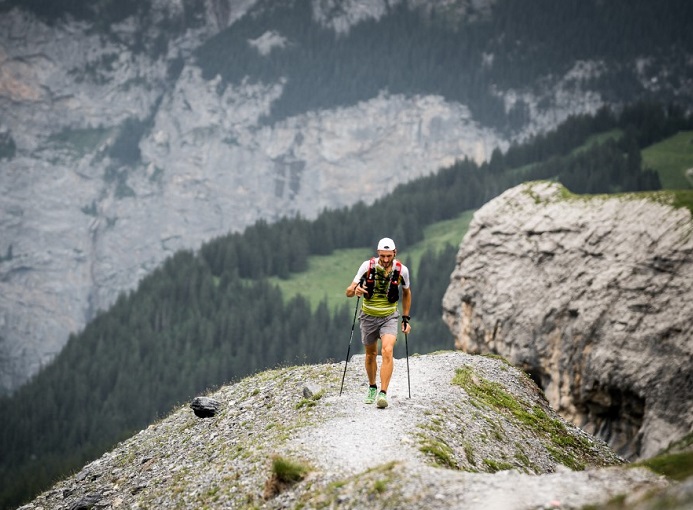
(393, 284)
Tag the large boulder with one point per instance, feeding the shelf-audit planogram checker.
(593, 296)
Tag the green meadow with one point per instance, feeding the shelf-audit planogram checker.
(673, 160)
(328, 276)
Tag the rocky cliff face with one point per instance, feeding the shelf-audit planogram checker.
(122, 154)
(476, 433)
(593, 296)
(79, 223)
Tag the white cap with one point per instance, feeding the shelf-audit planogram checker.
(386, 244)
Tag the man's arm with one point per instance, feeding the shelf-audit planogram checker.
(406, 308)
(351, 289)
(406, 301)
(355, 290)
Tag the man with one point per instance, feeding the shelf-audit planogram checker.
(378, 281)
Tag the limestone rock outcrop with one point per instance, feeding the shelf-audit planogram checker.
(593, 297)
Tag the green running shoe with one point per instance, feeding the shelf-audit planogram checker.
(382, 400)
(370, 398)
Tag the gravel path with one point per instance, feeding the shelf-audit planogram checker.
(354, 437)
(360, 436)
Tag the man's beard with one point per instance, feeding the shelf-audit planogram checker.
(383, 264)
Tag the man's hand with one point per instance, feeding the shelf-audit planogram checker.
(360, 290)
(406, 327)
(356, 289)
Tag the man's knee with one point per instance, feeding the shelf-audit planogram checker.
(371, 352)
(388, 347)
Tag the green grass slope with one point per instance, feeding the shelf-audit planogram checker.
(328, 276)
(673, 160)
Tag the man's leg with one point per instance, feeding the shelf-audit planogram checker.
(372, 362)
(371, 369)
(388, 346)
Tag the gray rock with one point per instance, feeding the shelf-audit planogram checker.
(593, 296)
(204, 407)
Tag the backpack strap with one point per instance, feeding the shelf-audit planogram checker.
(370, 278)
(396, 273)
(393, 287)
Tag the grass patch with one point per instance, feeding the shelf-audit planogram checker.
(495, 466)
(288, 471)
(671, 158)
(494, 395)
(498, 357)
(439, 235)
(677, 466)
(524, 460)
(563, 457)
(376, 485)
(284, 473)
(683, 198)
(379, 486)
(310, 401)
(677, 198)
(439, 451)
(469, 453)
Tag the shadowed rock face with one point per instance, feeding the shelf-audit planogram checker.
(593, 297)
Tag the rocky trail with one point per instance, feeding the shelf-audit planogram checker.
(445, 447)
(357, 437)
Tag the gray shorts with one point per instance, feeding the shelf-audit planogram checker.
(372, 328)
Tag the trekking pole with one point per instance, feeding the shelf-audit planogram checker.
(406, 348)
(346, 362)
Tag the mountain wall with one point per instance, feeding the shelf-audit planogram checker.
(593, 296)
(116, 152)
(81, 223)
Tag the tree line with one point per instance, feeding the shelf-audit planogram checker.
(521, 45)
(210, 317)
(411, 52)
(612, 166)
